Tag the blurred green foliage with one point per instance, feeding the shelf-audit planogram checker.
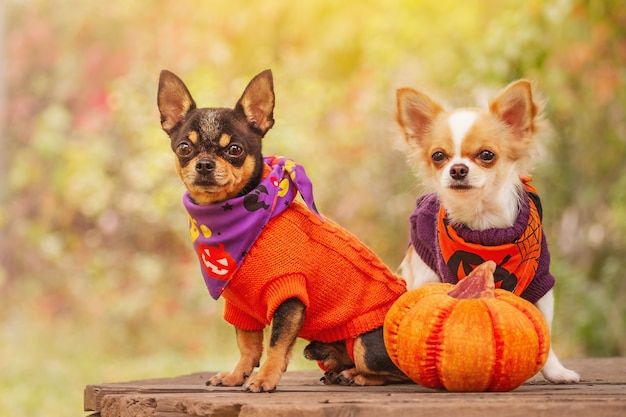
(97, 279)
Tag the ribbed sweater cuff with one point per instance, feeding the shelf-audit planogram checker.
(538, 288)
(240, 318)
(544, 280)
(283, 288)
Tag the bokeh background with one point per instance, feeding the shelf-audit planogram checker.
(98, 282)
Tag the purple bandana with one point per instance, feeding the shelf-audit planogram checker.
(223, 233)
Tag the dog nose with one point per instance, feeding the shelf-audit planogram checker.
(458, 171)
(205, 166)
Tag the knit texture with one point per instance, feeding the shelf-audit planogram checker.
(424, 239)
(346, 288)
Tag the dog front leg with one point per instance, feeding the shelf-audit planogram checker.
(415, 271)
(553, 370)
(250, 344)
(286, 324)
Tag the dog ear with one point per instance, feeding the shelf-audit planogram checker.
(416, 113)
(257, 102)
(174, 100)
(515, 106)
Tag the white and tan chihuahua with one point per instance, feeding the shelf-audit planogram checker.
(477, 163)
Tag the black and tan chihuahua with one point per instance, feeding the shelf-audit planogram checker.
(219, 159)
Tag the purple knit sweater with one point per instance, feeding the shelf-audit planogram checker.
(425, 241)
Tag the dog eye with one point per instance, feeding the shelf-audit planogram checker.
(486, 156)
(438, 157)
(183, 149)
(234, 151)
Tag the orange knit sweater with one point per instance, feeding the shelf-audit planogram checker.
(346, 288)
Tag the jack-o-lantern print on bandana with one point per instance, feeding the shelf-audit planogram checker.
(223, 233)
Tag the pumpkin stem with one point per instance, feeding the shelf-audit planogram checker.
(478, 284)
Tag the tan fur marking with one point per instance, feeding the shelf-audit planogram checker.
(247, 169)
(483, 134)
(193, 137)
(224, 140)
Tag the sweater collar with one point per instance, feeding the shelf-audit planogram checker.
(496, 236)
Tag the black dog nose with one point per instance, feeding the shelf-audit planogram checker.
(205, 166)
(458, 171)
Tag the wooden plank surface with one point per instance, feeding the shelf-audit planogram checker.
(602, 392)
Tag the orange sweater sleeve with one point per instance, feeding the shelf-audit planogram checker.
(240, 318)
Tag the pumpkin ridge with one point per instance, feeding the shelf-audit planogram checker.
(422, 355)
(498, 324)
(539, 323)
(498, 348)
(398, 311)
(439, 335)
(392, 326)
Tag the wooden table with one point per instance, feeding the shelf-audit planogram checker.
(602, 392)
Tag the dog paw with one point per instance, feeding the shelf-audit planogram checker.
(560, 375)
(227, 379)
(337, 378)
(354, 377)
(347, 377)
(260, 384)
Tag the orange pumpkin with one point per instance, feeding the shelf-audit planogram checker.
(468, 337)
